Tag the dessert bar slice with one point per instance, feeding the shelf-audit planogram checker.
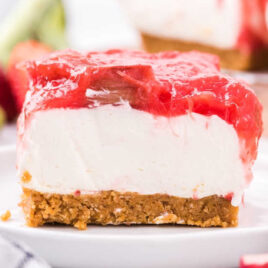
(236, 30)
(128, 137)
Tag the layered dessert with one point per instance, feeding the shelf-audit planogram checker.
(236, 30)
(128, 137)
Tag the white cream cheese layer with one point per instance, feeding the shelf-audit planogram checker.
(124, 149)
(211, 22)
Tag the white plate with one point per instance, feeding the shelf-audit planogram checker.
(142, 246)
(8, 135)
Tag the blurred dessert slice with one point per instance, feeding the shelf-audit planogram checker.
(236, 30)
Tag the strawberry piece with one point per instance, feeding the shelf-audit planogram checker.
(7, 101)
(17, 73)
(254, 261)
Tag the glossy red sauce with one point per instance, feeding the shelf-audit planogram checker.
(164, 84)
(229, 196)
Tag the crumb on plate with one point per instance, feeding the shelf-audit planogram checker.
(6, 216)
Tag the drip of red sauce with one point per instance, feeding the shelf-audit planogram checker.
(195, 195)
(207, 125)
(254, 29)
(243, 200)
(229, 196)
(164, 84)
(77, 193)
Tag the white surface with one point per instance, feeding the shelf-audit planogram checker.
(142, 246)
(207, 21)
(252, 78)
(14, 254)
(8, 135)
(124, 149)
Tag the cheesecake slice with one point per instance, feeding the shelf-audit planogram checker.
(236, 30)
(128, 137)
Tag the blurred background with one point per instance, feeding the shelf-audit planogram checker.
(235, 30)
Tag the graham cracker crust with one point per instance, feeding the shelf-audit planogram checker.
(230, 58)
(111, 207)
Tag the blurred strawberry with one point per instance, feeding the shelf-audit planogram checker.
(18, 76)
(7, 102)
(254, 261)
